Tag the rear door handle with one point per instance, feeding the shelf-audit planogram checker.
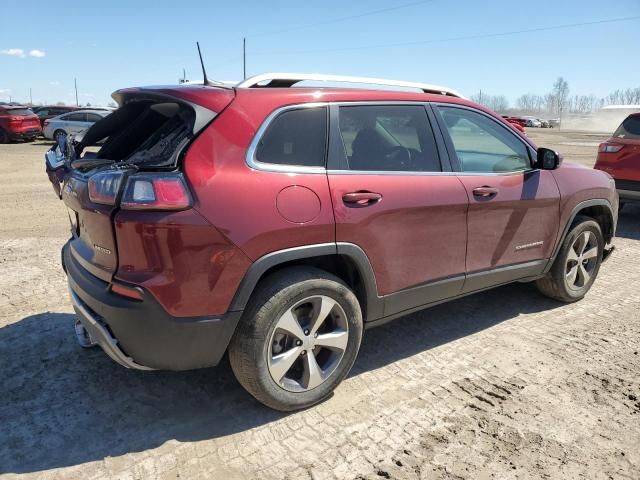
(485, 192)
(361, 199)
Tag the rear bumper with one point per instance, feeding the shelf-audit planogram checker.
(24, 135)
(141, 334)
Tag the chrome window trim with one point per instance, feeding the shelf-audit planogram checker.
(252, 162)
(429, 174)
(250, 157)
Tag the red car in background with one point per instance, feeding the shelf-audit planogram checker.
(619, 156)
(18, 123)
(517, 122)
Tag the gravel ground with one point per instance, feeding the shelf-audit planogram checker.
(502, 384)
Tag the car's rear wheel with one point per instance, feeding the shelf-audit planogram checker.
(4, 137)
(298, 338)
(577, 264)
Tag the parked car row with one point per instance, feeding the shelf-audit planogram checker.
(19, 122)
(528, 121)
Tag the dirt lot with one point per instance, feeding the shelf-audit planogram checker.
(503, 384)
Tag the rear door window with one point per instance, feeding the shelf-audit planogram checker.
(483, 145)
(388, 138)
(630, 128)
(75, 117)
(295, 137)
(93, 117)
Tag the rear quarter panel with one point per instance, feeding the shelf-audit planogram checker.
(578, 184)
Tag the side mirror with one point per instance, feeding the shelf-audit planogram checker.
(548, 159)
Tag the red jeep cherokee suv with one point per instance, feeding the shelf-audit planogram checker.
(278, 223)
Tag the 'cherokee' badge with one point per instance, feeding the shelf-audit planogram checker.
(106, 251)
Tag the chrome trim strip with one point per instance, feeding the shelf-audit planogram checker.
(102, 336)
(294, 78)
(252, 162)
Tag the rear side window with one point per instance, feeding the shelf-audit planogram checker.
(295, 137)
(20, 112)
(482, 144)
(630, 128)
(93, 117)
(388, 138)
(75, 117)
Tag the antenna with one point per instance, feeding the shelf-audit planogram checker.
(204, 72)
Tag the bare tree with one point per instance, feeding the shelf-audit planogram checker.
(498, 103)
(560, 95)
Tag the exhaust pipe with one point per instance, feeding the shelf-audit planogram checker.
(83, 336)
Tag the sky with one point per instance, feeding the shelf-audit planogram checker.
(117, 44)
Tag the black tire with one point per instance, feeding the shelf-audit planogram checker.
(4, 138)
(251, 347)
(555, 283)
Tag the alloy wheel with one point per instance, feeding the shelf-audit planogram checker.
(308, 343)
(581, 260)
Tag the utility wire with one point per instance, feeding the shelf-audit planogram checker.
(450, 39)
(340, 19)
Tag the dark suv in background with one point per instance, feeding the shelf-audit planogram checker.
(46, 112)
(278, 223)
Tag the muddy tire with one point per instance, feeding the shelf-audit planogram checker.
(298, 338)
(577, 263)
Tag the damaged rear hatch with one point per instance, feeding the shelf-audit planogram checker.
(130, 159)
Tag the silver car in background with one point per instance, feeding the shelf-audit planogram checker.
(72, 123)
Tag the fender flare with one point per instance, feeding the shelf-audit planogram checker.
(574, 213)
(373, 303)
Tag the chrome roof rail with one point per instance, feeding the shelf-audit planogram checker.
(273, 80)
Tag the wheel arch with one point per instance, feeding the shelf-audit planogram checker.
(598, 209)
(345, 260)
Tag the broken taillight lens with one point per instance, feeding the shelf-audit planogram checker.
(156, 191)
(104, 187)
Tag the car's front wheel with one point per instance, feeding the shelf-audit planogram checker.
(297, 339)
(577, 263)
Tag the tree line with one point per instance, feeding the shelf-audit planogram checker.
(558, 101)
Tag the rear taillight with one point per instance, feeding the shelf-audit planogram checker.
(15, 120)
(609, 147)
(104, 187)
(156, 191)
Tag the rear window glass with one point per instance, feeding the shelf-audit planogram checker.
(630, 128)
(19, 112)
(295, 137)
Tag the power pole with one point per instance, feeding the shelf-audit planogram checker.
(75, 84)
(244, 58)
(30, 98)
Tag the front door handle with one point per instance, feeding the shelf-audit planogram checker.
(361, 199)
(485, 192)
